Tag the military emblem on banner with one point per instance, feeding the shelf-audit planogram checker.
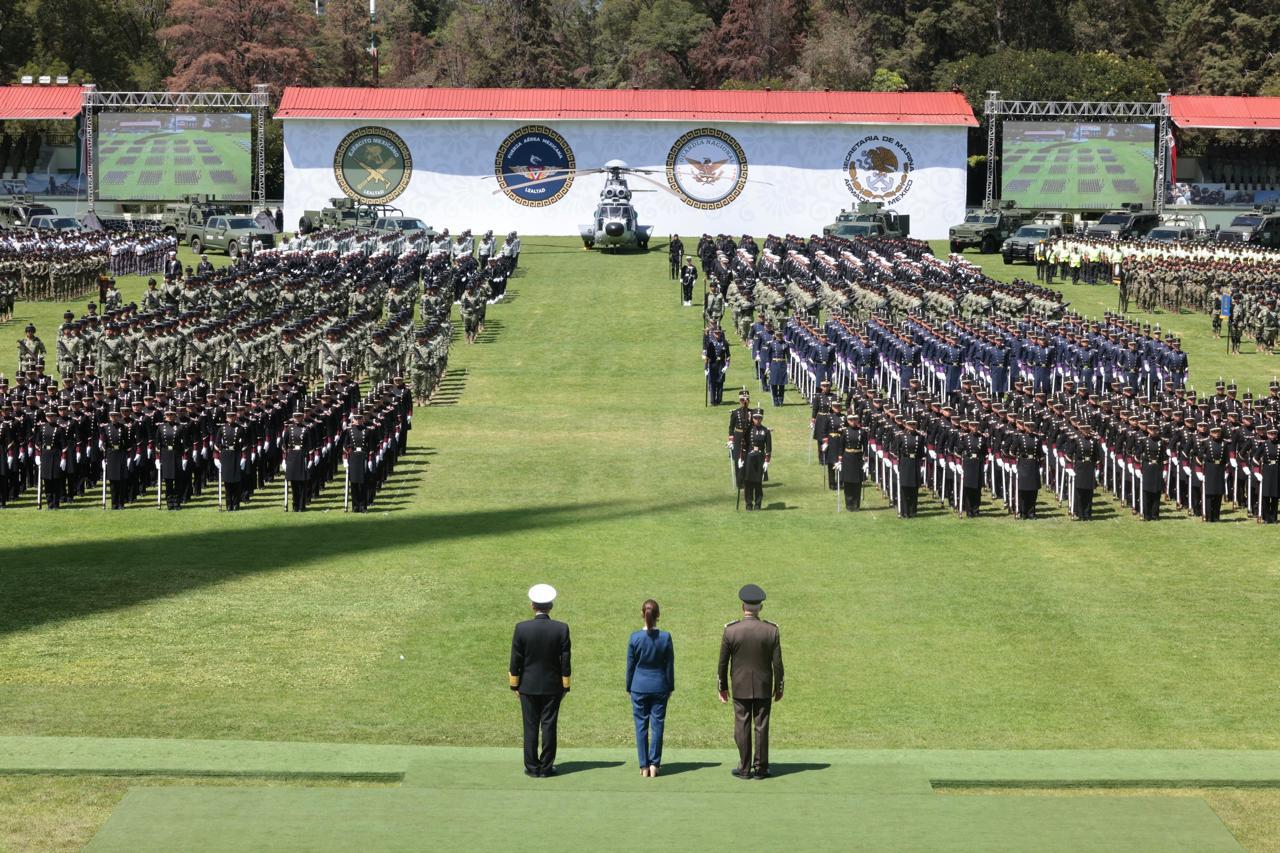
(372, 164)
(706, 168)
(879, 168)
(534, 166)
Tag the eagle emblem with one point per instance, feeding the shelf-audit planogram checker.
(882, 163)
(706, 171)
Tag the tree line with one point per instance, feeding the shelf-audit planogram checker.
(1074, 49)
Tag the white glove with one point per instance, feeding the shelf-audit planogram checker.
(344, 463)
(766, 467)
(729, 444)
(740, 463)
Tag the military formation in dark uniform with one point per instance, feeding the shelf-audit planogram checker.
(1008, 400)
(207, 381)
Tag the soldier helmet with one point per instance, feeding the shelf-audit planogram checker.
(751, 594)
(757, 415)
(30, 328)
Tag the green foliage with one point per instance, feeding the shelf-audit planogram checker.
(885, 80)
(1052, 75)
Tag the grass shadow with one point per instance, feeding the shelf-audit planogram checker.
(570, 767)
(52, 582)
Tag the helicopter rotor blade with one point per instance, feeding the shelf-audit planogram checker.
(666, 189)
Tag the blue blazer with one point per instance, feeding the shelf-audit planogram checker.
(651, 662)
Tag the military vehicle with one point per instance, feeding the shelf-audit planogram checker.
(230, 234)
(615, 224)
(870, 219)
(403, 225)
(1021, 246)
(346, 213)
(987, 228)
(1132, 223)
(192, 210)
(17, 211)
(1259, 227)
(54, 223)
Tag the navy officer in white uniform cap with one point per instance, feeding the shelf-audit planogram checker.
(539, 673)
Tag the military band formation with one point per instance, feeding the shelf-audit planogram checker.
(928, 376)
(248, 374)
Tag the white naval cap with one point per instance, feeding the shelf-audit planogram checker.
(542, 593)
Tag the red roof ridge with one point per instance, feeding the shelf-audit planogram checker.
(800, 106)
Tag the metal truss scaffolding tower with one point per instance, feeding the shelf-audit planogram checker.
(998, 110)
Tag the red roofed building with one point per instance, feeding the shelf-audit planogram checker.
(714, 161)
(31, 103)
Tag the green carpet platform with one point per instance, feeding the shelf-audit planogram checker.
(479, 799)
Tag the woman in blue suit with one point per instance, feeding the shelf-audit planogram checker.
(651, 676)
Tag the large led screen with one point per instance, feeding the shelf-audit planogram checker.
(157, 156)
(1095, 165)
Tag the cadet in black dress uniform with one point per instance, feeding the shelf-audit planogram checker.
(117, 449)
(173, 463)
(540, 671)
(1266, 462)
(715, 356)
(1212, 459)
(910, 449)
(776, 354)
(298, 444)
(829, 428)
(357, 443)
(739, 426)
(1153, 456)
(852, 458)
(973, 460)
(756, 462)
(230, 442)
(1027, 452)
(51, 447)
(1086, 454)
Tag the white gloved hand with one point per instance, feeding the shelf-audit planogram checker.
(766, 467)
(739, 463)
(729, 444)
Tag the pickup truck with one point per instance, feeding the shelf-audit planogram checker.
(1022, 245)
(54, 223)
(402, 225)
(230, 234)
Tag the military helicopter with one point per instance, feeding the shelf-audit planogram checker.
(615, 223)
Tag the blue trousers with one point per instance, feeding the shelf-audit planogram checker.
(650, 711)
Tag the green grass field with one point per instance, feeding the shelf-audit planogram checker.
(1092, 174)
(574, 448)
(169, 166)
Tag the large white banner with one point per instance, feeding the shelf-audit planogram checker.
(726, 178)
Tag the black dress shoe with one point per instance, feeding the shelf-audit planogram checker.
(760, 774)
(531, 774)
(545, 773)
(741, 774)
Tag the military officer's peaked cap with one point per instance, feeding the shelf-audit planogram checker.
(751, 594)
(542, 593)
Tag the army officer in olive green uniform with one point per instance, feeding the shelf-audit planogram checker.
(752, 650)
